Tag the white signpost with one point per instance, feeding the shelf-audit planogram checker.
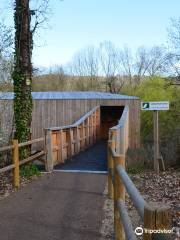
(155, 107)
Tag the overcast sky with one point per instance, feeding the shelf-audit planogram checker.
(75, 24)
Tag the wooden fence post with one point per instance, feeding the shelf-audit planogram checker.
(119, 194)
(16, 163)
(77, 140)
(69, 141)
(98, 123)
(94, 124)
(87, 132)
(156, 217)
(110, 171)
(59, 144)
(91, 129)
(49, 148)
(83, 136)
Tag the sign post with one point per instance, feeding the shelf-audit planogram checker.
(156, 139)
(155, 107)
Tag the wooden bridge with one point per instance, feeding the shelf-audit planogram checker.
(62, 143)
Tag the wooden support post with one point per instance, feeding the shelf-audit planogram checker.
(98, 124)
(156, 141)
(91, 129)
(69, 142)
(77, 140)
(92, 124)
(119, 194)
(122, 145)
(94, 127)
(87, 132)
(156, 217)
(16, 163)
(49, 148)
(80, 137)
(73, 138)
(111, 145)
(59, 144)
(62, 146)
(83, 136)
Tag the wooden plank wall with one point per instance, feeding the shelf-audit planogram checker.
(68, 141)
(54, 113)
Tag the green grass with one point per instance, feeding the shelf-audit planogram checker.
(30, 170)
(136, 169)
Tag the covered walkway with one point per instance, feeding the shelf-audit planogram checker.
(92, 159)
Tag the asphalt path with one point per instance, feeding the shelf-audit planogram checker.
(57, 206)
(92, 159)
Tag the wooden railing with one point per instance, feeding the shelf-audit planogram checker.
(154, 216)
(15, 166)
(65, 141)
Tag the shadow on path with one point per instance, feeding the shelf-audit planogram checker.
(92, 159)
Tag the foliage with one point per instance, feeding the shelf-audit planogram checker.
(136, 169)
(158, 89)
(22, 73)
(28, 171)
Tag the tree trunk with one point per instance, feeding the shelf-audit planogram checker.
(22, 75)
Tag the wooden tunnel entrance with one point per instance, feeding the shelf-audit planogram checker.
(65, 142)
(110, 116)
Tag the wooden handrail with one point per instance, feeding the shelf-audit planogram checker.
(16, 161)
(122, 119)
(6, 148)
(153, 215)
(134, 194)
(126, 221)
(65, 141)
(31, 142)
(77, 123)
(7, 168)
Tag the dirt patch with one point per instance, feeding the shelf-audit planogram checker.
(107, 229)
(164, 188)
(6, 184)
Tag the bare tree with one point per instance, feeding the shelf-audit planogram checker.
(6, 61)
(59, 73)
(110, 65)
(6, 40)
(173, 58)
(127, 61)
(85, 66)
(158, 61)
(141, 65)
(145, 62)
(174, 34)
(173, 68)
(6, 64)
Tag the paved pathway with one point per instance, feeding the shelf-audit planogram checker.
(58, 206)
(92, 159)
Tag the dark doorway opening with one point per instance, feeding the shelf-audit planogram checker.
(110, 116)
